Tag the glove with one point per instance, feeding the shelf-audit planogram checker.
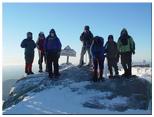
(133, 52)
(58, 54)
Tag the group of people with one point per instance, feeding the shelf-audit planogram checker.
(49, 49)
(97, 52)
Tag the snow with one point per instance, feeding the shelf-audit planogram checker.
(142, 72)
(73, 97)
(54, 101)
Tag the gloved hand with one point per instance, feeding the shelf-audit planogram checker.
(58, 54)
(133, 52)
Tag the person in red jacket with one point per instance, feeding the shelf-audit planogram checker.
(40, 46)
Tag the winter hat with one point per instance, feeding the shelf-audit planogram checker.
(110, 37)
(124, 32)
(29, 33)
(52, 31)
(41, 34)
(86, 27)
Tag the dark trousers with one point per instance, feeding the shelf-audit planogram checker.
(52, 60)
(28, 62)
(126, 61)
(112, 63)
(99, 63)
(41, 57)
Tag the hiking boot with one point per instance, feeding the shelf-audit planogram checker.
(116, 76)
(31, 72)
(57, 75)
(124, 75)
(101, 79)
(89, 64)
(95, 78)
(40, 71)
(80, 65)
(28, 73)
(111, 77)
(50, 75)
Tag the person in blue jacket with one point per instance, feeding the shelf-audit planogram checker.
(29, 46)
(97, 52)
(52, 50)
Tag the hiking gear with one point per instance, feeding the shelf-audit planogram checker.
(52, 60)
(86, 38)
(97, 48)
(83, 51)
(97, 51)
(126, 61)
(111, 50)
(86, 27)
(29, 46)
(52, 45)
(128, 46)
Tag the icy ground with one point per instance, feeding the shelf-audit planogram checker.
(74, 93)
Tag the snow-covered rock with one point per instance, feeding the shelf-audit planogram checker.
(75, 93)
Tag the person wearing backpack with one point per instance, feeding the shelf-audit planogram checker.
(112, 54)
(86, 38)
(53, 49)
(97, 52)
(40, 46)
(126, 47)
(29, 46)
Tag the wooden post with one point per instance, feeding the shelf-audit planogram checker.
(67, 62)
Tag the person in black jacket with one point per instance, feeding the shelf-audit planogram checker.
(29, 46)
(86, 38)
(112, 54)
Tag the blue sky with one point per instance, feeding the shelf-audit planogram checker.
(68, 19)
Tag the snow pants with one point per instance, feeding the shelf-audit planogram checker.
(83, 51)
(112, 63)
(41, 57)
(28, 62)
(100, 63)
(126, 61)
(52, 61)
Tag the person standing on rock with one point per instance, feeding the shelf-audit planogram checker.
(40, 46)
(97, 51)
(86, 38)
(29, 46)
(112, 54)
(53, 49)
(126, 47)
